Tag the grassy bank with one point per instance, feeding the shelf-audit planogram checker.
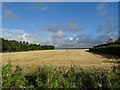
(45, 77)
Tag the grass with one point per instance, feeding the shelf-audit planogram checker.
(44, 77)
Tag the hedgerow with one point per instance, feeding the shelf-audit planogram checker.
(45, 77)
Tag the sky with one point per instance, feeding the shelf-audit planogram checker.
(60, 0)
(62, 24)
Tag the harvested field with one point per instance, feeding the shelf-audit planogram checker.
(58, 58)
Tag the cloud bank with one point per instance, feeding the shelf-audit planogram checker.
(19, 35)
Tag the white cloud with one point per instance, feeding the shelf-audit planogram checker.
(10, 15)
(73, 27)
(59, 34)
(1, 7)
(44, 8)
(80, 41)
(102, 9)
(38, 6)
(48, 41)
(107, 27)
(69, 27)
(0, 17)
(0, 32)
(18, 34)
(59, 39)
(71, 38)
(103, 38)
(62, 37)
(53, 28)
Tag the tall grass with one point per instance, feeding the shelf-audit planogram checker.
(45, 77)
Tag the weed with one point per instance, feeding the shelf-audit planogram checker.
(45, 77)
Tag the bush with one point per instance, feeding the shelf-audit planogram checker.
(53, 78)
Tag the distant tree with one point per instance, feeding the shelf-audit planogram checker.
(27, 43)
(110, 40)
(20, 41)
(23, 42)
(14, 46)
(117, 41)
(1, 44)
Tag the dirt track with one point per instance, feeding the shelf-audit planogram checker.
(57, 58)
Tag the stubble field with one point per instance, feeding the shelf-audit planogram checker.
(58, 58)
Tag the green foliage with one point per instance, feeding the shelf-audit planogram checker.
(14, 46)
(110, 40)
(113, 49)
(12, 78)
(46, 77)
(110, 48)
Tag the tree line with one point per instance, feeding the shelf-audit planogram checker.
(111, 47)
(15, 46)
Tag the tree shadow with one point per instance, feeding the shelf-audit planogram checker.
(109, 56)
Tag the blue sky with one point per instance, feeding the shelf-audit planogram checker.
(61, 0)
(77, 24)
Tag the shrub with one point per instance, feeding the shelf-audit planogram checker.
(53, 78)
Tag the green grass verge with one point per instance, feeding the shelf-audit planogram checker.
(45, 77)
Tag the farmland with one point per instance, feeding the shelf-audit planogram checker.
(58, 58)
(67, 69)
